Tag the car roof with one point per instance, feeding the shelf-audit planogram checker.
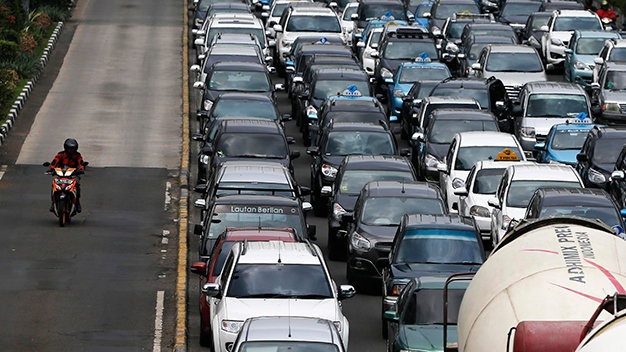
(452, 221)
(464, 82)
(486, 138)
(356, 126)
(598, 34)
(462, 114)
(341, 72)
(274, 252)
(255, 199)
(554, 87)
(574, 126)
(314, 10)
(253, 171)
(575, 13)
(233, 49)
(376, 162)
(413, 189)
(574, 196)
(259, 234)
(447, 99)
(512, 48)
(252, 125)
(543, 172)
(619, 43)
(498, 164)
(290, 328)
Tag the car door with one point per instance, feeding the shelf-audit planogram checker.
(216, 302)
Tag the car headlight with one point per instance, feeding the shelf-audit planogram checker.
(231, 326)
(338, 211)
(385, 73)
(337, 325)
(556, 41)
(431, 162)
(360, 242)
(207, 104)
(528, 132)
(457, 183)
(579, 65)
(596, 176)
(398, 93)
(506, 220)
(610, 106)
(477, 210)
(311, 112)
(329, 171)
(204, 159)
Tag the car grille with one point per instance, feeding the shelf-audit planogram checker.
(512, 92)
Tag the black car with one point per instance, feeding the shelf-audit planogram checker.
(617, 186)
(598, 155)
(489, 92)
(355, 172)
(304, 55)
(379, 9)
(324, 83)
(246, 139)
(253, 105)
(431, 245)
(494, 29)
(319, 62)
(588, 203)
(377, 215)
(339, 140)
(531, 33)
(251, 211)
(411, 104)
(516, 13)
(431, 145)
(441, 10)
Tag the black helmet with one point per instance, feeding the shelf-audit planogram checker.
(70, 145)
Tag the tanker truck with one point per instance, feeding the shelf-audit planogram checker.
(550, 275)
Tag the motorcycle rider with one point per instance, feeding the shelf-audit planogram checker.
(606, 12)
(69, 157)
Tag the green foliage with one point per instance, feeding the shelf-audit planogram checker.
(55, 3)
(26, 65)
(8, 50)
(12, 15)
(56, 13)
(9, 34)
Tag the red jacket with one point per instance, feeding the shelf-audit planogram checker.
(64, 159)
(608, 13)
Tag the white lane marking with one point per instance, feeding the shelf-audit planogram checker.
(168, 196)
(158, 322)
(3, 169)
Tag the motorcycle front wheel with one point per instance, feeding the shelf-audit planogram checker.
(63, 214)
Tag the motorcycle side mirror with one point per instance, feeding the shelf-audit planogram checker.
(47, 163)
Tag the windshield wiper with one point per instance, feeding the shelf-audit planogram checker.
(311, 296)
(263, 295)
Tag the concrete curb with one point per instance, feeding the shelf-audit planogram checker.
(23, 97)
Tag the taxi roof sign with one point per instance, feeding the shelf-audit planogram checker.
(351, 91)
(423, 57)
(507, 155)
(387, 16)
(581, 118)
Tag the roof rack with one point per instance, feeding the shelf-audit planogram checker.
(405, 32)
(239, 190)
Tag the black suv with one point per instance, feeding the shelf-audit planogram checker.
(489, 92)
(598, 155)
(377, 214)
(354, 172)
(618, 181)
(374, 9)
(347, 109)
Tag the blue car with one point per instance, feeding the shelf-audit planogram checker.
(563, 142)
(408, 74)
(583, 48)
(421, 9)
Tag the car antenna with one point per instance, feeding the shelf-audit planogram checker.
(403, 191)
(279, 260)
(259, 227)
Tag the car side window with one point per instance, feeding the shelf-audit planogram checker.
(502, 186)
(450, 154)
(470, 176)
(226, 271)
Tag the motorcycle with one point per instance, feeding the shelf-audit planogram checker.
(608, 24)
(64, 191)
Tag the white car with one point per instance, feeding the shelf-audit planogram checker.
(273, 278)
(559, 29)
(480, 186)
(517, 185)
(465, 150)
(368, 47)
(273, 15)
(347, 24)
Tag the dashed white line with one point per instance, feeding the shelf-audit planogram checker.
(168, 196)
(158, 322)
(3, 169)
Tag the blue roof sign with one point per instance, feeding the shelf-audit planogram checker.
(351, 91)
(423, 57)
(387, 16)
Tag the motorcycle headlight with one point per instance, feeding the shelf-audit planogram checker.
(527, 132)
(398, 93)
(596, 176)
(385, 73)
(62, 181)
(231, 326)
(329, 171)
(360, 242)
(556, 41)
(579, 65)
(477, 210)
(457, 183)
(338, 211)
(207, 104)
(609, 106)
(431, 162)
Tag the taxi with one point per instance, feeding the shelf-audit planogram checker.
(465, 150)
(398, 86)
(563, 142)
(480, 186)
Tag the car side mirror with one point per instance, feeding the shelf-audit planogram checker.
(354, 17)
(346, 291)
(306, 206)
(360, 44)
(198, 41)
(595, 86)
(544, 28)
(540, 146)
(426, 15)
(200, 204)
(211, 290)
(198, 85)
(598, 61)
(286, 117)
(617, 175)
(347, 217)
(290, 140)
(304, 191)
(194, 68)
(198, 137)
(271, 43)
(461, 192)
(278, 28)
(374, 54)
(476, 66)
(405, 152)
(417, 137)
(494, 202)
(201, 188)
(441, 167)
(279, 87)
(390, 315)
(500, 105)
(568, 51)
(581, 157)
(198, 268)
(197, 230)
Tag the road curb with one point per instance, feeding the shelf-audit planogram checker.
(23, 97)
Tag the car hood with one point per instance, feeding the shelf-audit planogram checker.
(347, 201)
(409, 270)
(282, 161)
(587, 59)
(243, 308)
(514, 19)
(379, 233)
(519, 78)
(565, 156)
(515, 213)
(564, 36)
(437, 150)
(617, 96)
(425, 337)
(542, 125)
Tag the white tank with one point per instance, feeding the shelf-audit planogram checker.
(553, 269)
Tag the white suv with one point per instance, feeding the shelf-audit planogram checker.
(559, 29)
(273, 278)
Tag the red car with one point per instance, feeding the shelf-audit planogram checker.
(210, 270)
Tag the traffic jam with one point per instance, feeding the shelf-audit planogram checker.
(467, 159)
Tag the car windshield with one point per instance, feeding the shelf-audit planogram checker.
(255, 215)
(477, 47)
(443, 131)
(355, 116)
(426, 307)
(278, 9)
(388, 211)
(480, 95)
(455, 29)
(252, 145)
(444, 10)
(403, 49)
(556, 105)
(617, 54)
(514, 62)
(607, 150)
(287, 346)
(520, 191)
(569, 139)
(468, 156)
(432, 107)
(414, 74)
(372, 11)
(589, 46)
(540, 20)
(520, 8)
(487, 181)
(353, 181)
(244, 108)
(567, 23)
(279, 281)
(615, 80)
(326, 88)
(348, 12)
(242, 81)
(279, 189)
(439, 246)
(314, 24)
(608, 215)
(257, 32)
(359, 143)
